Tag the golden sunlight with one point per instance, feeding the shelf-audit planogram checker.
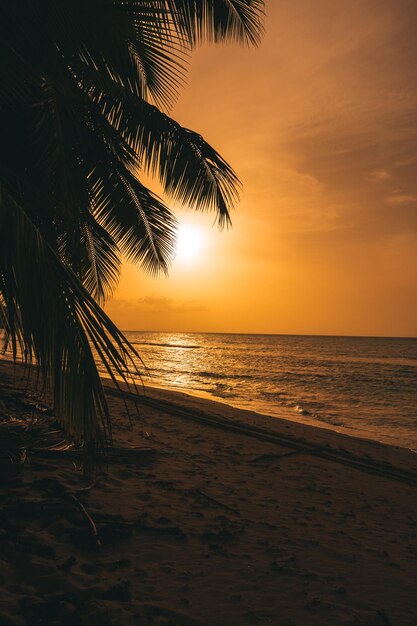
(190, 242)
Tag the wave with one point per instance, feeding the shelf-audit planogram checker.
(301, 410)
(224, 376)
(340, 382)
(164, 345)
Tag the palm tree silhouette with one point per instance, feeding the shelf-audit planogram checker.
(85, 90)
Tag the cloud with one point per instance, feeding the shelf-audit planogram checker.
(380, 175)
(401, 198)
(161, 304)
(320, 124)
(157, 304)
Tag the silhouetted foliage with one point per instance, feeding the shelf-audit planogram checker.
(85, 90)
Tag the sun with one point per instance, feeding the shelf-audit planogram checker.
(190, 243)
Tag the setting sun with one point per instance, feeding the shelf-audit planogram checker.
(208, 327)
(190, 242)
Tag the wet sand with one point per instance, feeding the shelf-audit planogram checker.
(207, 525)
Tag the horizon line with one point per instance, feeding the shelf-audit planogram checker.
(205, 332)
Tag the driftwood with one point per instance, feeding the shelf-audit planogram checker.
(88, 487)
(86, 516)
(61, 491)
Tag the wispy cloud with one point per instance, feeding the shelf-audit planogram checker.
(161, 304)
(401, 198)
(380, 175)
(157, 304)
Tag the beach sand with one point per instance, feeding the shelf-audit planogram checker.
(207, 525)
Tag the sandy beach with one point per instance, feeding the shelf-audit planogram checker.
(206, 515)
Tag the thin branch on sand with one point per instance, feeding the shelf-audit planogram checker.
(87, 517)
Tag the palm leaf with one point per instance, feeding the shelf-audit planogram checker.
(50, 316)
(190, 170)
(78, 124)
(219, 20)
(143, 227)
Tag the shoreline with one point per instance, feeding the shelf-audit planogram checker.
(320, 437)
(304, 429)
(323, 436)
(396, 438)
(288, 415)
(200, 523)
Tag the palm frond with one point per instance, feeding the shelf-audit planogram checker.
(51, 317)
(78, 124)
(219, 20)
(143, 227)
(101, 260)
(190, 170)
(131, 43)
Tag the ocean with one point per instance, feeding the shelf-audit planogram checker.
(365, 386)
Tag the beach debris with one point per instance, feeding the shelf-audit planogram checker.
(88, 487)
(60, 491)
(86, 516)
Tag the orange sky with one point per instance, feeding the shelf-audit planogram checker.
(320, 124)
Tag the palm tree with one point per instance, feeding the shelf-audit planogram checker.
(86, 87)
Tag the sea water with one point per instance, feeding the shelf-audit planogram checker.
(360, 385)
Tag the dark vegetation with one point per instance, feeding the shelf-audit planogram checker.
(86, 87)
